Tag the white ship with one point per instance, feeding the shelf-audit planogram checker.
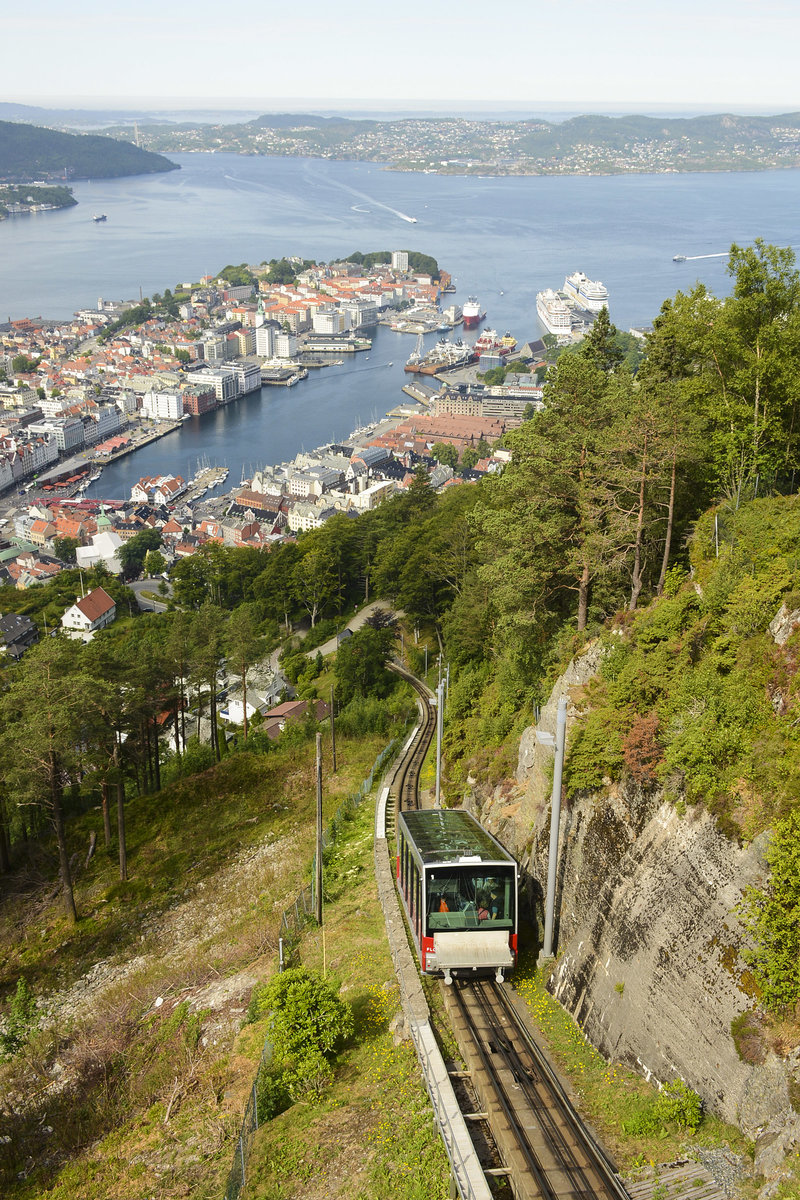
(554, 313)
(586, 293)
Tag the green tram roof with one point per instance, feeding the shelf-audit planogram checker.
(445, 835)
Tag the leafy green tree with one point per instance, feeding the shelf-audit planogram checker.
(360, 666)
(281, 271)
(132, 552)
(65, 547)
(154, 563)
(550, 526)
(22, 365)
(445, 453)
(111, 717)
(599, 347)
(469, 457)
(178, 652)
(274, 585)
(191, 581)
(751, 346)
(207, 651)
(315, 578)
(239, 276)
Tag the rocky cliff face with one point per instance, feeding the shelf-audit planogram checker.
(649, 946)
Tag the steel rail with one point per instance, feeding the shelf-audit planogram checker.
(568, 1161)
(591, 1148)
(557, 1124)
(503, 1098)
(406, 780)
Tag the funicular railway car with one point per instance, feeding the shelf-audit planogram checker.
(459, 890)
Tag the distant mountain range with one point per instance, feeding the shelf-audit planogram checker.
(31, 152)
(587, 145)
(581, 145)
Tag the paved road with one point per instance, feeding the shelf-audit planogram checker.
(355, 622)
(146, 603)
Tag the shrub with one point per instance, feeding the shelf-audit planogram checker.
(595, 752)
(198, 756)
(771, 916)
(678, 1104)
(642, 1123)
(641, 750)
(308, 1024)
(748, 1036)
(20, 1022)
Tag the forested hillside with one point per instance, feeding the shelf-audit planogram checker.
(30, 152)
(657, 512)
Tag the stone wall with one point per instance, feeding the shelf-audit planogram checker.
(649, 946)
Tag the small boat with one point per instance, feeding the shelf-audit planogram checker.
(101, 217)
(679, 258)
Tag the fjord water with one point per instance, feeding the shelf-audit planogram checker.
(502, 239)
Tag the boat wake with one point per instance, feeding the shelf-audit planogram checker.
(695, 257)
(374, 203)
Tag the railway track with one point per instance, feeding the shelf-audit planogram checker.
(545, 1146)
(546, 1150)
(405, 785)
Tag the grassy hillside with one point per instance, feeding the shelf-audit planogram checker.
(137, 1082)
(30, 152)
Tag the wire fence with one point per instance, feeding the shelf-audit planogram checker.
(345, 810)
(293, 921)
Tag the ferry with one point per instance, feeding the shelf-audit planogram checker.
(586, 293)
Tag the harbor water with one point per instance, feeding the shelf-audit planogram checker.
(502, 239)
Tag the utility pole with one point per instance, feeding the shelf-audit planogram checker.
(318, 872)
(333, 736)
(555, 818)
(439, 707)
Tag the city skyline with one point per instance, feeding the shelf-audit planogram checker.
(703, 56)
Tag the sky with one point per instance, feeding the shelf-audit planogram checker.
(634, 55)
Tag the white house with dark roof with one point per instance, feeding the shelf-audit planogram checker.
(158, 489)
(88, 614)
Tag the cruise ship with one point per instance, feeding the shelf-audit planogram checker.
(586, 293)
(554, 313)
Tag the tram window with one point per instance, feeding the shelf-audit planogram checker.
(468, 897)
